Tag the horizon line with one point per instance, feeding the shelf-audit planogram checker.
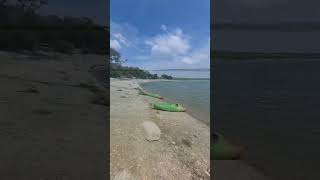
(194, 69)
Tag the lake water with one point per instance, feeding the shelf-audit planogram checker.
(185, 74)
(267, 41)
(193, 94)
(271, 107)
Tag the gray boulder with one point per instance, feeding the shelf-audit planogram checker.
(151, 131)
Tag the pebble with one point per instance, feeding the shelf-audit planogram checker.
(174, 143)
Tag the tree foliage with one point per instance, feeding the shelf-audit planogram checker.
(115, 57)
(29, 30)
(26, 5)
(164, 76)
(118, 70)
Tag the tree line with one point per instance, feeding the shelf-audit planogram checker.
(22, 28)
(117, 69)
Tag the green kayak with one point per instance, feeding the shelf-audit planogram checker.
(142, 92)
(223, 150)
(168, 107)
(151, 95)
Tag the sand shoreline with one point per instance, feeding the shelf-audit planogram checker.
(183, 146)
(53, 122)
(206, 122)
(182, 151)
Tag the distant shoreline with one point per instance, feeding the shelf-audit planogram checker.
(242, 55)
(191, 78)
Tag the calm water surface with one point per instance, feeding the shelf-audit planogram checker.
(272, 109)
(193, 94)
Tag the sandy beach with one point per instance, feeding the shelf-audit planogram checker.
(182, 152)
(53, 121)
(53, 125)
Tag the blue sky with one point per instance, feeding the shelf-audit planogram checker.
(161, 34)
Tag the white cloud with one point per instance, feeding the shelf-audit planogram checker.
(169, 44)
(123, 40)
(117, 41)
(115, 44)
(122, 35)
(198, 56)
(163, 27)
(188, 60)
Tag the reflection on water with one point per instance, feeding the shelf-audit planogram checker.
(272, 109)
(267, 41)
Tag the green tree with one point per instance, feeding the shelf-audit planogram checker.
(115, 57)
(164, 76)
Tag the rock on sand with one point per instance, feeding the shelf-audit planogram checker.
(151, 131)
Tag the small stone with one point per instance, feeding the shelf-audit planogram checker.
(173, 143)
(207, 173)
(151, 131)
(195, 135)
